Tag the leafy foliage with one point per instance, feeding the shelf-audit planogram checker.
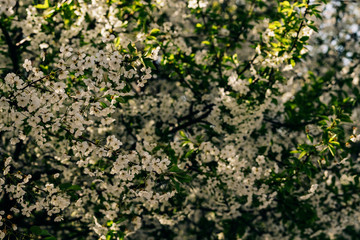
(196, 119)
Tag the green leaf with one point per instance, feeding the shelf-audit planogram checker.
(117, 41)
(189, 153)
(69, 186)
(183, 178)
(183, 134)
(44, 233)
(151, 38)
(206, 43)
(292, 62)
(176, 184)
(175, 169)
(310, 138)
(74, 187)
(302, 154)
(308, 172)
(285, 4)
(131, 48)
(120, 100)
(346, 118)
(313, 27)
(27, 130)
(304, 38)
(332, 149)
(43, 6)
(35, 230)
(103, 105)
(334, 109)
(332, 138)
(155, 31)
(64, 186)
(50, 238)
(274, 25)
(122, 219)
(149, 63)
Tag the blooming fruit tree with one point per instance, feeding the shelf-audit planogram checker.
(184, 119)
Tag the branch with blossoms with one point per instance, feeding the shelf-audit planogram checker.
(152, 119)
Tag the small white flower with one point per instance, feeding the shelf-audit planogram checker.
(313, 188)
(27, 65)
(197, 3)
(14, 227)
(6, 170)
(7, 161)
(44, 45)
(59, 87)
(2, 235)
(9, 79)
(42, 56)
(287, 68)
(58, 219)
(63, 74)
(113, 142)
(14, 141)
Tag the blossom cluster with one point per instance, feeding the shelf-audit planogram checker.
(174, 120)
